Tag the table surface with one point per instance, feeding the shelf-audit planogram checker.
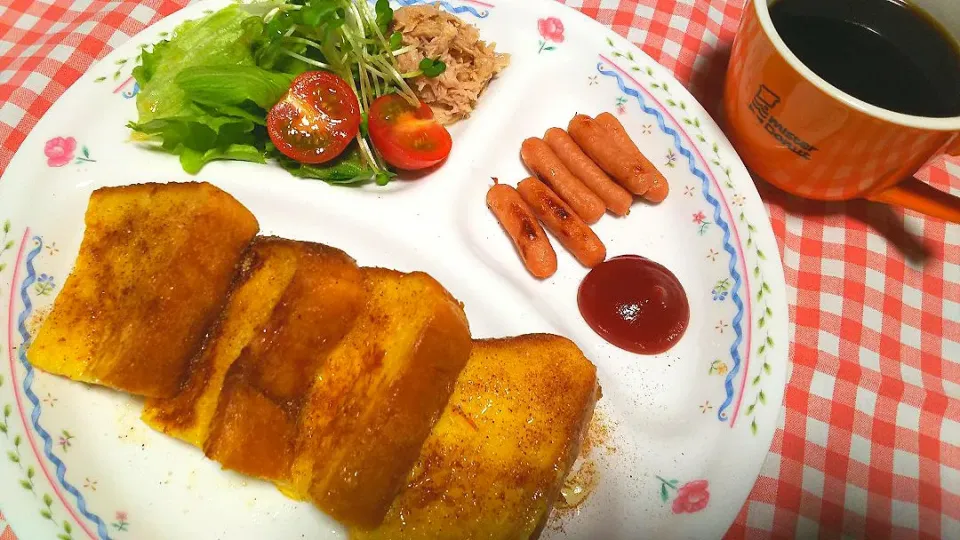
(869, 437)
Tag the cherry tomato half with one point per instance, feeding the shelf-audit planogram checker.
(407, 137)
(316, 119)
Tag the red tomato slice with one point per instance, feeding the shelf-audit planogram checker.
(316, 119)
(407, 137)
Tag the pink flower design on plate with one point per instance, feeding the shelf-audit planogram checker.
(551, 29)
(121, 524)
(59, 151)
(700, 219)
(691, 497)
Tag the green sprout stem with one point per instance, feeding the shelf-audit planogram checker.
(302, 58)
(403, 50)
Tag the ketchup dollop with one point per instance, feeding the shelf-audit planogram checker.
(635, 304)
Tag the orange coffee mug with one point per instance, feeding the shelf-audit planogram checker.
(807, 137)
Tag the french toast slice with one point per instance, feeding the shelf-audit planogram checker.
(154, 268)
(254, 430)
(261, 280)
(496, 459)
(377, 396)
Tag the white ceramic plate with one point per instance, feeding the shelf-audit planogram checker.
(688, 429)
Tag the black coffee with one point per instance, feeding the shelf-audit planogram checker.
(885, 52)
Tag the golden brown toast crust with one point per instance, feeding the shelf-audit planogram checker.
(265, 280)
(262, 277)
(275, 371)
(495, 461)
(378, 396)
(154, 268)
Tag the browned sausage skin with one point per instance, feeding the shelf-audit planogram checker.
(575, 235)
(659, 188)
(596, 141)
(617, 199)
(518, 220)
(545, 164)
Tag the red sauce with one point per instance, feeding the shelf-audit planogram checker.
(635, 304)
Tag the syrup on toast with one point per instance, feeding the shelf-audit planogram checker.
(254, 430)
(377, 396)
(496, 459)
(276, 277)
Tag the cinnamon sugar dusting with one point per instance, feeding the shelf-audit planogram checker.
(598, 435)
(36, 320)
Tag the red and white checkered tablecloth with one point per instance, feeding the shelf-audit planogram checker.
(869, 439)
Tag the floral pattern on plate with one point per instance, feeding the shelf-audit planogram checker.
(36, 475)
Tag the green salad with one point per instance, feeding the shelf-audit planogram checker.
(205, 93)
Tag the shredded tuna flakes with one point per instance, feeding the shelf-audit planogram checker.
(471, 63)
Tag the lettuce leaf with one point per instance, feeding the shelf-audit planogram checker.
(202, 97)
(219, 86)
(192, 161)
(219, 39)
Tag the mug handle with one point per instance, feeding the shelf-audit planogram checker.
(916, 195)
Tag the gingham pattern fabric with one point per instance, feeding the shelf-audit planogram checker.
(869, 439)
(6, 533)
